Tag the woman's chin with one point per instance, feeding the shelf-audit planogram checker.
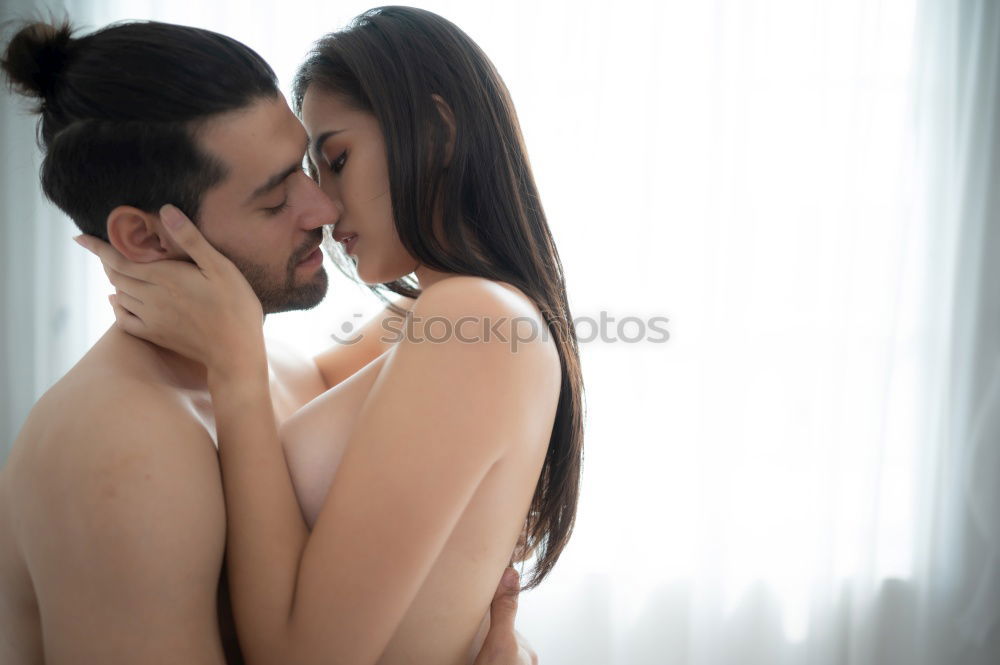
(372, 277)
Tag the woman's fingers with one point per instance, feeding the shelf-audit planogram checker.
(504, 607)
(501, 646)
(126, 320)
(200, 307)
(130, 303)
(130, 285)
(112, 258)
(183, 231)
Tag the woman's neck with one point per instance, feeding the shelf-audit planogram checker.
(427, 277)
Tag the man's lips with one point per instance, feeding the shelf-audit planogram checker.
(313, 257)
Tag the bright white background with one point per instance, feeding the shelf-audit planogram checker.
(807, 471)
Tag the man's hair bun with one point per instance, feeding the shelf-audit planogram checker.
(36, 57)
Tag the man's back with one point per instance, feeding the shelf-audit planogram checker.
(20, 629)
(112, 520)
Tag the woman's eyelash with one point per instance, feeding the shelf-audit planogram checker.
(338, 164)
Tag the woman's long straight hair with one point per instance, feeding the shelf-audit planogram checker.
(391, 61)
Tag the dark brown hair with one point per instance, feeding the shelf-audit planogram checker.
(389, 62)
(119, 109)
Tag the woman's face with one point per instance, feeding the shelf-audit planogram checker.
(348, 151)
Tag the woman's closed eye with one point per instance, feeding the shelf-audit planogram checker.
(338, 164)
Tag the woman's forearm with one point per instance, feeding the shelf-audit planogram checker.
(266, 533)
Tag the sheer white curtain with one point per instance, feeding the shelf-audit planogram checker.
(43, 293)
(807, 471)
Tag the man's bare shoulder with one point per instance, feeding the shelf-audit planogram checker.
(106, 452)
(117, 510)
(90, 422)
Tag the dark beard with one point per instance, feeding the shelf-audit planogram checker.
(286, 296)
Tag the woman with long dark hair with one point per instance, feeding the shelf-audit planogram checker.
(373, 526)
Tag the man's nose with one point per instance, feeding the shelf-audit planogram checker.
(319, 210)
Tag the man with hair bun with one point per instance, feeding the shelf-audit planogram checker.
(112, 520)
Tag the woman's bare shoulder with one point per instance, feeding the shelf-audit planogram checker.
(492, 313)
(475, 292)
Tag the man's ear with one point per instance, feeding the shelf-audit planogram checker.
(139, 236)
(449, 119)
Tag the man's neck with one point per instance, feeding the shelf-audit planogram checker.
(173, 368)
(187, 373)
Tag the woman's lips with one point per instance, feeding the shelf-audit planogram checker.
(349, 243)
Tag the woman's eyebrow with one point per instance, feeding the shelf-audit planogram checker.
(317, 145)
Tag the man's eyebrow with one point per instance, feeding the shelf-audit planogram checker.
(317, 145)
(276, 179)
